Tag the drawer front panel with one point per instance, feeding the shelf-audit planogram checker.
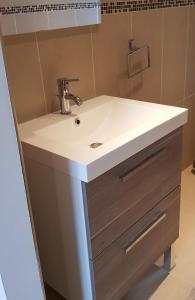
(138, 248)
(121, 196)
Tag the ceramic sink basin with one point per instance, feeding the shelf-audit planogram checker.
(98, 135)
(102, 123)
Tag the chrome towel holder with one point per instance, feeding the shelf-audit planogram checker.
(134, 69)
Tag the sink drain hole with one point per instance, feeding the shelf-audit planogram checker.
(95, 145)
(77, 121)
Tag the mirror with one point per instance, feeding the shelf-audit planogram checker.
(21, 16)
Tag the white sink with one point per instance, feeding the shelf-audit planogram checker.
(101, 123)
(121, 126)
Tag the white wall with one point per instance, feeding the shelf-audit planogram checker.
(18, 262)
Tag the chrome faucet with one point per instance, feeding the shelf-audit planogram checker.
(65, 96)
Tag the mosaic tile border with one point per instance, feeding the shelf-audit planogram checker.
(110, 7)
(23, 9)
(138, 5)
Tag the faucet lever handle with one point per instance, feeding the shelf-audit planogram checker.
(70, 80)
(63, 83)
(67, 80)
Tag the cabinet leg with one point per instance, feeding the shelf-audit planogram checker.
(169, 260)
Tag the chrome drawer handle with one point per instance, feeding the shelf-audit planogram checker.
(147, 231)
(148, 160)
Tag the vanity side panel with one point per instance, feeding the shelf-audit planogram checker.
(59, 215)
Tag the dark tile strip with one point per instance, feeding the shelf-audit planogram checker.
(106, 7)
(46, 7)
(133, 5)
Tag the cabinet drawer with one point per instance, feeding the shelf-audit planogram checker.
(121, 196)
(137, 249)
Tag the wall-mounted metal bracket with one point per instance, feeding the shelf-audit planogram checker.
(138, 58)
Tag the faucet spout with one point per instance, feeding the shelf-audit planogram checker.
(77, 100)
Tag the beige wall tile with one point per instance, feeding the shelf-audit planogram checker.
(174, 54)
(24, 76)
(188, 153)
(179, 103)
(147, 29)
(66, 53)
(189, 137)
(110, 47)
(190, 76)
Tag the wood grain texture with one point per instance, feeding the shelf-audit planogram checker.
(115, 270)
(114, 204)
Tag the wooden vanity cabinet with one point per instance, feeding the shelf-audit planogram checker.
(133, 212)
(95, 239)
(120, 197)
(128, 257)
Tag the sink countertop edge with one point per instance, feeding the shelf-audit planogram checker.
(96, 168)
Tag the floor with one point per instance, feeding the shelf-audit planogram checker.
(180, 283)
